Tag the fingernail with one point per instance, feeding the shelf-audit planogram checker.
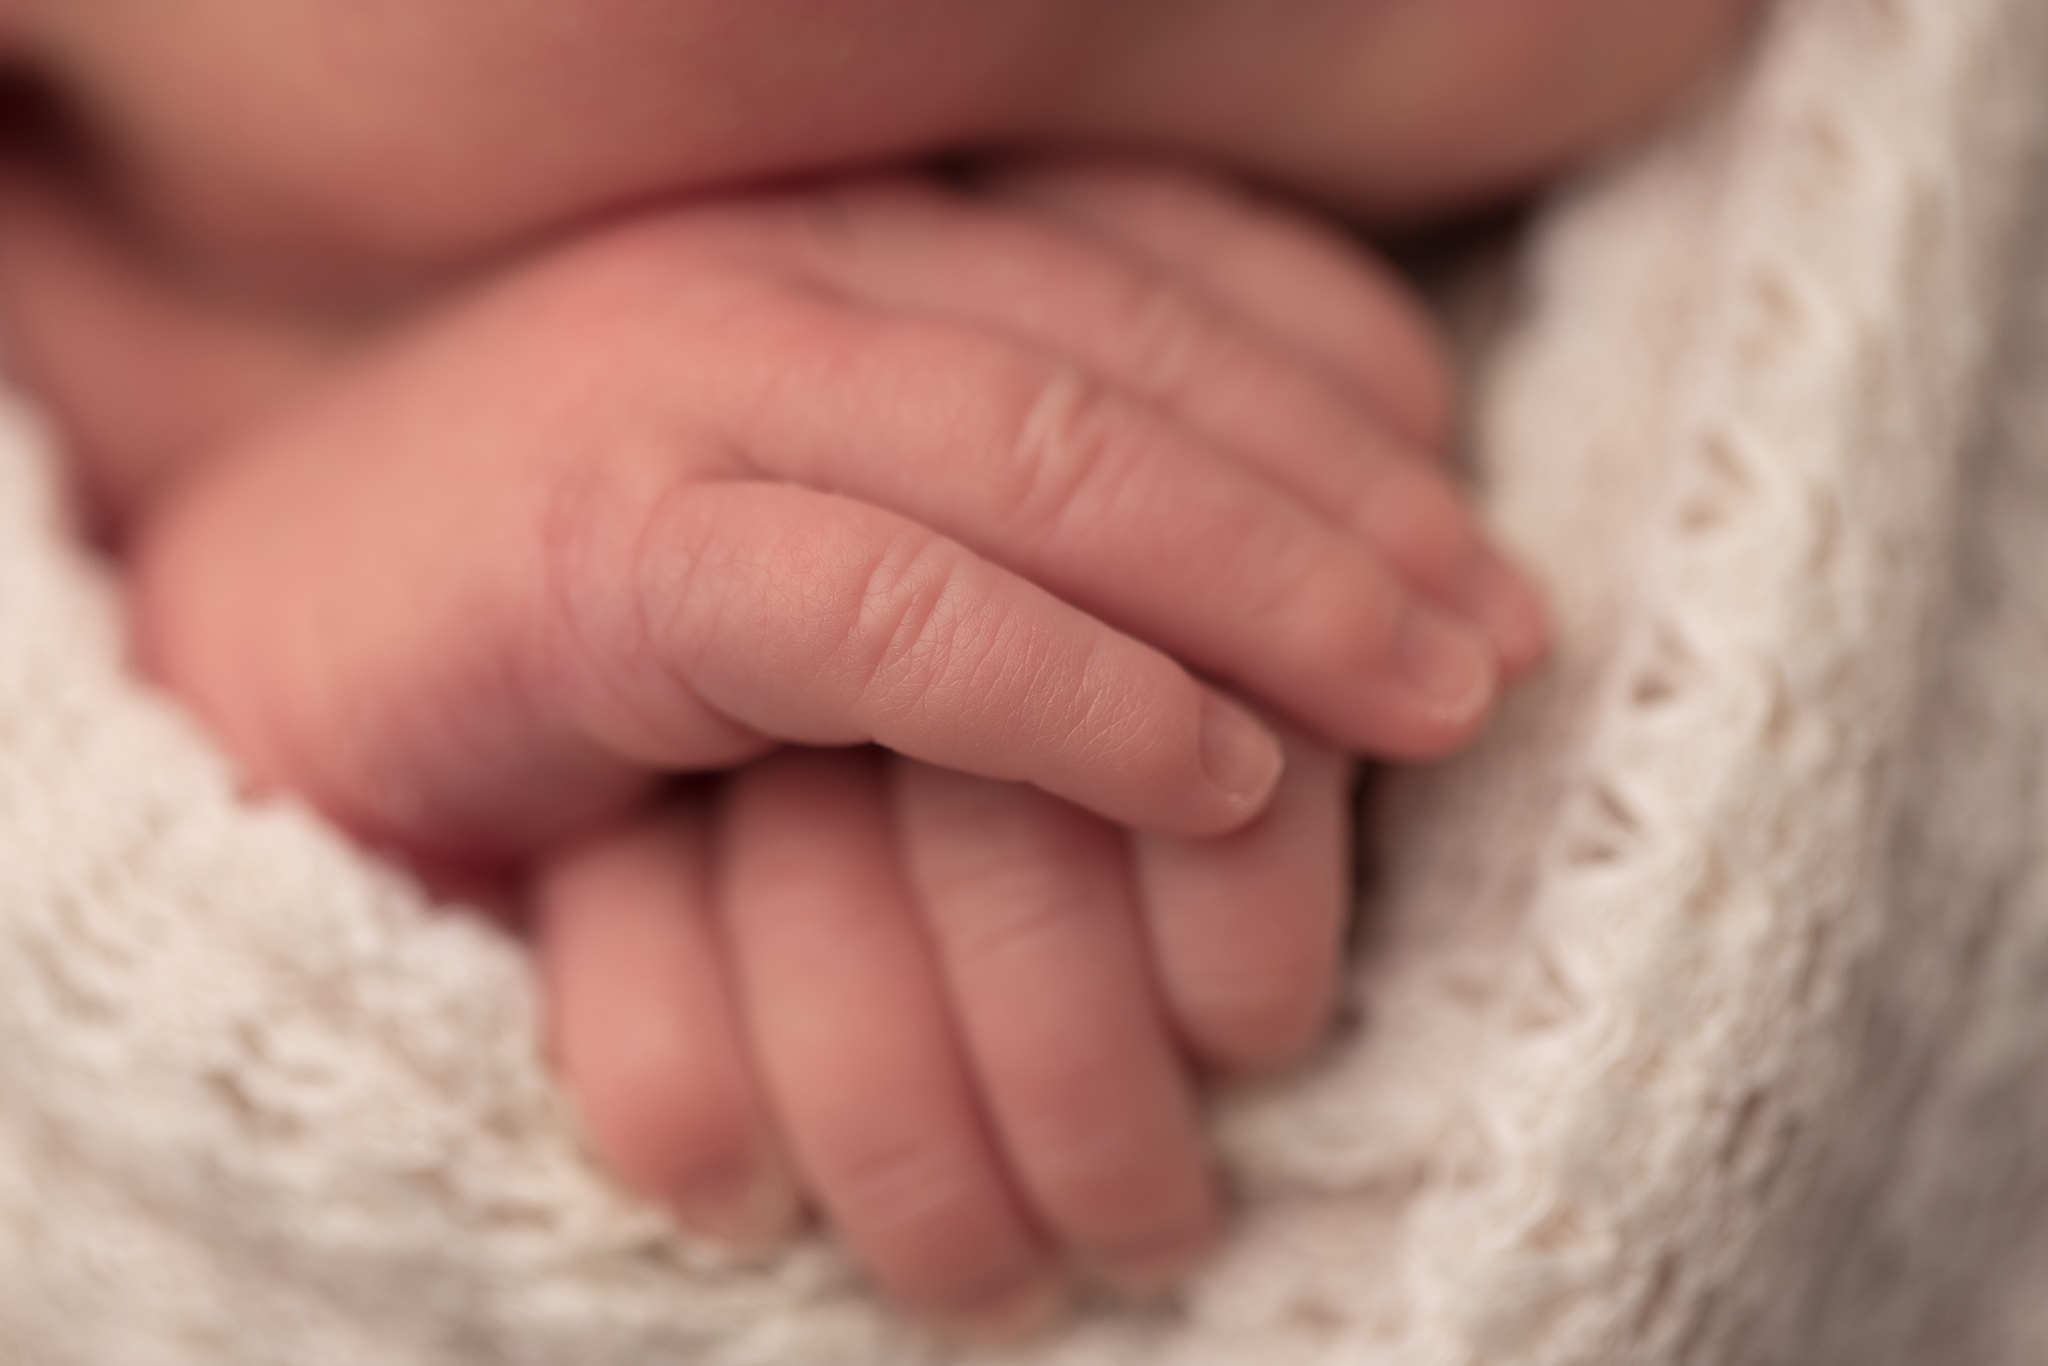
(1240, 756)
(1010, 1315)
(749, 1209)
(1450, 666)
(1511, 611)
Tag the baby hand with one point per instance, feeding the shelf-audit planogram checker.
(704, 1026)
(969, 476)
(956, 1014)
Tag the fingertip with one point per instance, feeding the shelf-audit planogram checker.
(750, 1206)
(1242, 758)
(1147, 1272)
(1448, 671)
(643, 1027)
(1008, 1317)
(1247, 931)
(1266, 1043)
(1511, 612)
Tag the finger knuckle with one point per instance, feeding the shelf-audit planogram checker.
(919, 628)
(1162, 335)
(1415, 516)
(586, 620)
(1072, 454)
(1099, 1166)
(907, 1189)
(622, 589)
(1256, 1015)
(1331, 610)
(1107, 1182)
(931, 1229)
(1302, 590)
(1015, 923)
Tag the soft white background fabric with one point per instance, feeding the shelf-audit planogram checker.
(1700, 1014)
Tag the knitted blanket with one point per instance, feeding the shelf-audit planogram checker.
(1699, 1015)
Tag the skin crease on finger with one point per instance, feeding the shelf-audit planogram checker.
(243, 128)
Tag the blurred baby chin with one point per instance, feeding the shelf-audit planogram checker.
(414, 132)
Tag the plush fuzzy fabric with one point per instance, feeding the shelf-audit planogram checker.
(1700, 1015)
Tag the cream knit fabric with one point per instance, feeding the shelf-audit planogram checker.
(1700, 1015)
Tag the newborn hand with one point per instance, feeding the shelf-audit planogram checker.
(967, 477)
(956, 1014)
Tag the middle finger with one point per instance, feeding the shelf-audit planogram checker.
(1031, 905)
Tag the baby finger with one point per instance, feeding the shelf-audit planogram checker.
(1030, 904)
(858, 1043)
(1055, 474)
(1294, 277)
(1153, 334)
(1246, 929)
(644, 1025)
